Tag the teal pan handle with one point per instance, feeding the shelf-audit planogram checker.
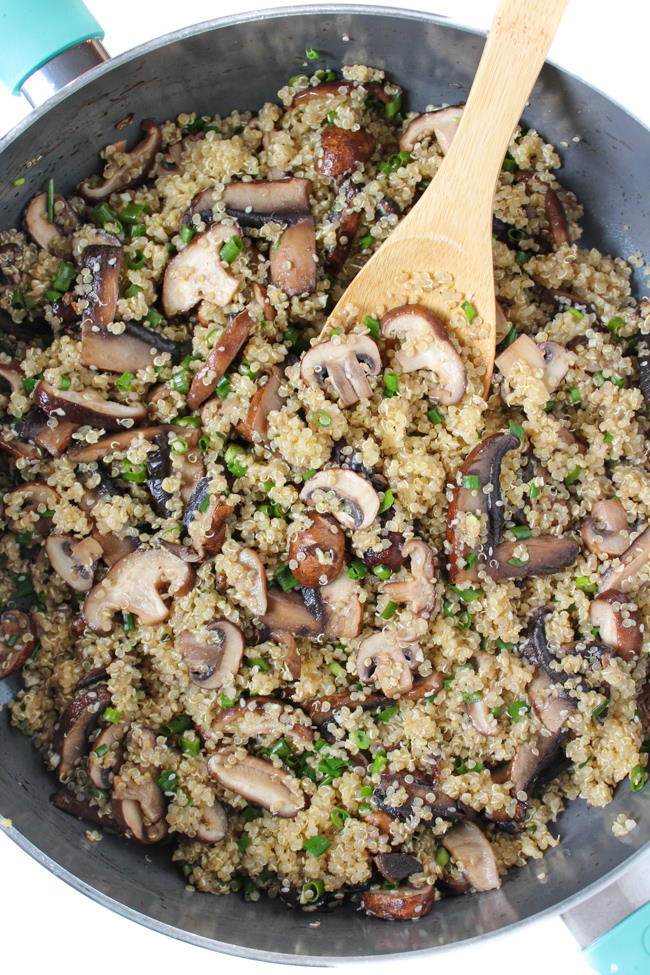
(32, 32)
(625, 950)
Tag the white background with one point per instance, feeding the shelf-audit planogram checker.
(52, 927)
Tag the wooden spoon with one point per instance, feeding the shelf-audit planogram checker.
(448, 233)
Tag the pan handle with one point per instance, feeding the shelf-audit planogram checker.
(46, 44)
(624, 949)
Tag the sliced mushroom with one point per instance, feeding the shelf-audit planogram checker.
(343, 150)
(16, 447)
(33, 496)
(205, 520)
(52, 237)
(549, 361)
(556, 219)
(391, 555)
(129, 351)
(104, 262)
(287, 612)
(50, 433)
(214, 661)
(484, 462)
(482, 720)
(294, 259)
(159, 466)
(133, 585)
(545, 555)
(17, 641)
(354, 501)
(619, 623)
(259, 782)
(70, 740)
(105, 756)
(74, 559)
(551, 704)
(214, 824)
(139, 808)
(470, 848)
(12, 373)
(420, 590)
(197, 272)
(255, 589)
(341, 608)
(318, 551)
(324, 91)
(605, 531)
(257, 202)
(87, 407)
(344, 365)
(113, 443)
(131, 171)
(625, 575)
(292, 658)
(397, 866)
(203, 204)
(267, 399)
(263, 716)
(416, 786)
(230, 341)
(403, 904)
(424, 344)
(442, 123)
(387, 662)
(261, 297)
(68, 803)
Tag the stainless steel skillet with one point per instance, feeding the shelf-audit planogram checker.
(237, 63)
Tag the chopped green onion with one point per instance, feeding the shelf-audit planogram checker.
(190, 746)
(517, 430)
(515, 235)
(168, 782)
(187, 421)
(222, 388)
(379, 763)
(607, 437)
(249, 369)
(181, 722)
(394, 162)
(24, 539)
(205, 504)
(137, 230)
(132, 213)
(467, 595)
(137, 473)
(365, 243)
(434, 415)
(471, 559)
(386, 714)
(103, 215)
(285, 578)
(204, 443)
(316, 845)
(154, 318)
(124, 381)
(321, 418)
(227, 702)
(63, 276)
(382, 572)
(577, 314)
(112, 715)
(357, 569)
(518, 709)
(50, 200)
(392, 108)
(187, 232)
(339, 817)
(521, 531)
(472, 697)
(638, 778)
(517, 563)
(336, 669)
(388, 611)
(509, 164)
(231, 249)
(521, 257)
(18, 181)
(251, 812)
(585, 584)
(615, 324)
(600, 709)
(312, 54)
(372, 324)
(470, 310)
(128, 622)
(179, 446)
(260, 662)
(573, 475)
(471, 482)
(574, 394)
(331, 116)
(132, 291)
(511, 337)
(181, 381)
(442, 857)
(391, 383)
(233, 456)
(503, 644)
(533, 491)
(360, 739)
(65, 382)
(136, 262)
(243, 842)
(100, 751)
(51, 295)
(387, 501)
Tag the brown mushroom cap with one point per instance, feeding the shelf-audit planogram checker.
(356, 501)
(205, 518)
(50, 236)
(420, 590)
(132, 171)
(68, 803)
(70, 740)
(87, 407)
(551, 704)
(318, 550)
(263, 716)
(403, 904)
(619, 623)
(50, 433)
(133, 349)
(104, 261)
(287, 612)
(113, 443)
(259, 782)
(294, 259)
(556, 217)
(606, 531)
(139, 808)
(197, 272)
(344, 365)
(397, 866)
(546, 554)
(442, 123)
(625, 575)
(132, 586)
(424, 344)
(257, 202)
(74, 559)
(214, 824)
(102, 767)
(343, 150)
(388, 662)
(33, 496)
(229, 343)
(397, 792)
(17, 640)
(469, 846)
(214, 661)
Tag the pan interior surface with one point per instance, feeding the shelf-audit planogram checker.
(241, 64)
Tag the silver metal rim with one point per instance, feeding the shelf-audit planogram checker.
(20, 840)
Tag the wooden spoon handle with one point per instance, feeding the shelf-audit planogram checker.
(513, 56)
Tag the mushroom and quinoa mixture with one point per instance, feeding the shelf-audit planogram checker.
(298, 597)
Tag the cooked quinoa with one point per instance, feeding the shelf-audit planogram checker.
(338, 631)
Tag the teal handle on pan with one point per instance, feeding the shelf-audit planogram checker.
(32, 32)
(625, 950)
